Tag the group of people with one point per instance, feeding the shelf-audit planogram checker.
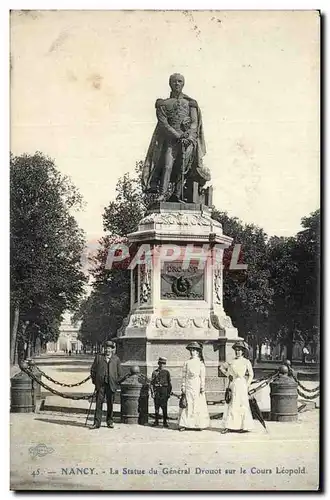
(106, 373)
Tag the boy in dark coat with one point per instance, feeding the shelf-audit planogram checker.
(161, 389)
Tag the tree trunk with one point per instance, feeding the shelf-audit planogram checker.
(254, 350)
(259, 353)
(33, 338)
(29, 337)
(43, 346)
(289, 346)
(21, 352)
(13, 337)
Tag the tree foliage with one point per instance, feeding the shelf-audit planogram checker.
(247, 294)
(46, 246)
(103, 312)
(273, 300)
(294, 265)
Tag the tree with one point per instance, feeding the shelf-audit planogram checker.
(307, 286)
(46, 247)
(269, 302)
(294, 265)
(247, 294)
(103, 312)
(283, 269)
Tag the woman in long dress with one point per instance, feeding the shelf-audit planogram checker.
(195, 415)
(237, 414)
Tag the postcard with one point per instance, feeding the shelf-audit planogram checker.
(165, 250)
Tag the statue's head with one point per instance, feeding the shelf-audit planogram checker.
(176, 82)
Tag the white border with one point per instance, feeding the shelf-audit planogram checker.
(7, 5)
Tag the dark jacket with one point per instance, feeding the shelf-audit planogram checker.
(160, 379)
(99, 371)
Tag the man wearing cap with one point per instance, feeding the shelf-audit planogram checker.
(161, 389)
(105, 372)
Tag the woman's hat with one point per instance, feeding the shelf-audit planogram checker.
(240, 345)
(194, 345)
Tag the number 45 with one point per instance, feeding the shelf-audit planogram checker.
(35, 473)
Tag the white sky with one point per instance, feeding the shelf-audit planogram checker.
(84, 84)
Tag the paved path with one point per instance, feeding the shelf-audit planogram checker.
(82, 459)
(285, 445)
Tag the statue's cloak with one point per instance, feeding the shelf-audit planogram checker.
(154, 161)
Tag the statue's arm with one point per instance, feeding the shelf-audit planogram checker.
(163, 122)
(194, 121)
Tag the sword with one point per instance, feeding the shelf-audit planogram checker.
(183, 168)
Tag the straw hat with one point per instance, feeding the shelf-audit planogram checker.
(194, 345)
(241, 345)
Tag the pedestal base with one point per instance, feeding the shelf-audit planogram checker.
(177, 300)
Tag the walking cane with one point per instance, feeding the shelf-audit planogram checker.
(90, 406)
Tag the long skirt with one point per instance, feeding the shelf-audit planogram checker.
(196, 415)
(237, 414)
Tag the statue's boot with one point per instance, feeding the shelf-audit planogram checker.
(177, 199)
(177, 195)
(165, 183)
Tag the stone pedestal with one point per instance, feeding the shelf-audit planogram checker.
(176, 294)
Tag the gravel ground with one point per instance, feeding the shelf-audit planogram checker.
(82, 459)
(132, 457)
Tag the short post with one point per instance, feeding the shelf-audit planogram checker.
(134, 399)
(22, 398)
(34, 370)
(284, 397)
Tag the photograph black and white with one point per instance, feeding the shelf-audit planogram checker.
(165, 250)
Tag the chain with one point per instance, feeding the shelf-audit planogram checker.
(221, 402)
(143, 379)
(54, 391)
(315, 389)
(62, 383)
(263, 384)
(304, 396)
(260, 380)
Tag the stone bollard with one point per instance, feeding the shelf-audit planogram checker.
(134, 399)
(22, 398)
(284, 397)
(36, 387)
(292, 372)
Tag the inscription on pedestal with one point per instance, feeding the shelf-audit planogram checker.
(178, 283)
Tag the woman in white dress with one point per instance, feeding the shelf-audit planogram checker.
(237, 414)
(195, 415)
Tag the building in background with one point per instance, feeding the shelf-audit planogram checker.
(68, 338)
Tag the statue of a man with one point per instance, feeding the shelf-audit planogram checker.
(177, 146)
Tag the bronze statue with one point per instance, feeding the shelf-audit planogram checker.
(177, 147)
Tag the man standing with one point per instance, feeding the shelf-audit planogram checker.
(161, 389)
(177, 145)
(105, 372)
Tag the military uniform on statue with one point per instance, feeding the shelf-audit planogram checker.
(161, 389)
(177, 146)
(105, 372)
